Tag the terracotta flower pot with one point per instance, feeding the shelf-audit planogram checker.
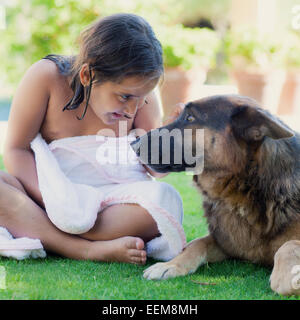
(263, 87)
(290, 95)
(180, 86)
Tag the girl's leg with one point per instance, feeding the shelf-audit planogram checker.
(24, 218)
(123, 219)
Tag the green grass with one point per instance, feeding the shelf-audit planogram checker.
(60, 278)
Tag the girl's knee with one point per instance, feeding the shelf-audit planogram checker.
(122, 220)
(12, 197)
(3, 184)
(8, 179)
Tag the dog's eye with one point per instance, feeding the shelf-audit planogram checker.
(190, 118)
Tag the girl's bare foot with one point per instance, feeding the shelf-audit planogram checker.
(125, 249)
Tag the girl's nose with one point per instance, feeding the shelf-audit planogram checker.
(130, 109)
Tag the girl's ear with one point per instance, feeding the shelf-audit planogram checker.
(84, 74)
(253, 124)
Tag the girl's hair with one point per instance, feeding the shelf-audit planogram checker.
(114, 47)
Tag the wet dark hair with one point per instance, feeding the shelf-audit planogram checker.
(114, 47)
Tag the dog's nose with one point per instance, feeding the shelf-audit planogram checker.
(135, 145)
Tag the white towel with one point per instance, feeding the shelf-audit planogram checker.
(20, 248)
(78, 179)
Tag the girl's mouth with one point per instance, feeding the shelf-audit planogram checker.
(117, 115)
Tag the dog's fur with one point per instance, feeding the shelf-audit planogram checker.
(250, 186)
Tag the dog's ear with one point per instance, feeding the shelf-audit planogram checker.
(253, 125)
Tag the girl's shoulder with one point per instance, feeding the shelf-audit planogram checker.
(30, 103)
(63, 63)
(43, 71)
(51, 67)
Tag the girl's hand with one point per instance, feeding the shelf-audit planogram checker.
(175, 113)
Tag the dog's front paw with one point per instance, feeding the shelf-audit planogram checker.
(164, 270)
(288, 282)
(285, 277)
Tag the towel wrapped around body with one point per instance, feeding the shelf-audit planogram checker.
(82, 175)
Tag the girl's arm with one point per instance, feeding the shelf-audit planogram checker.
(147, 118)
(150, 117)
(27, 112)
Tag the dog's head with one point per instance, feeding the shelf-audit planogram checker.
(219, 131)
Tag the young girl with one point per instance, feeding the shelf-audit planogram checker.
(112, 79)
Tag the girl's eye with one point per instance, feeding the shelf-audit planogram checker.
(190, 118)
(124, 97)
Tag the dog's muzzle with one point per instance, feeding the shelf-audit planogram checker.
(153, 156)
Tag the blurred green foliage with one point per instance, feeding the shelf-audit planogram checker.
(291, 44)
(254, 51)
(189, 47)
(36, 28)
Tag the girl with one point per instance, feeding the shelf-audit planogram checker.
(111, 79)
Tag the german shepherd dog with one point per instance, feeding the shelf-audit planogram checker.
(250, 184)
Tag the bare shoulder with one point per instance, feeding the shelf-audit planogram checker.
(43, 70)
(30, 103)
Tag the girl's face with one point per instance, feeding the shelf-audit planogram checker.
(113, 101)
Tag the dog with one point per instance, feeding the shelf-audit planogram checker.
(250, 184)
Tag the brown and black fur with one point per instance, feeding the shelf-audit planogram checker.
(251, 178)
(253, 208)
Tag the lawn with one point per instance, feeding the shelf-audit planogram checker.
(60, 278)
